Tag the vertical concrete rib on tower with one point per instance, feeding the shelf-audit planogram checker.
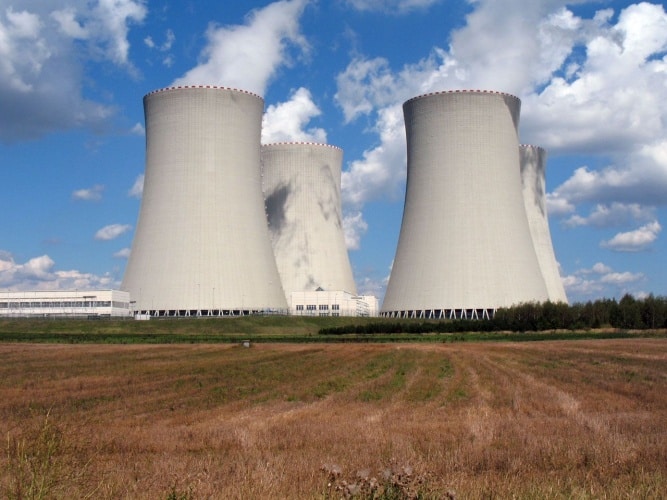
(202, 243)
(533, 178)
(303, 201)
(465, 247)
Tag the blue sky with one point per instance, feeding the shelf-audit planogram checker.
(592, 77)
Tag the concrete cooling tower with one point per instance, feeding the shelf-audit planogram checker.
(465, 247)
(302, 191)
(533, 167)
(202, 243)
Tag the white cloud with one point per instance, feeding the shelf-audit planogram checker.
(89, 194)
(165, 46)
(381, 171)
(138, 129)
(110, 19)
(354, 227)
(38, 274)
(42, 62)
(391, 6)
(248, 56)
(615, 214)
(287, 121)
(557, 206)
(112, 231)
(600, 280)
(123, 253)
(634, 241)
(137, 189)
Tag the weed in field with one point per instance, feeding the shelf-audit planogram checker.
(33, 468)
(391, 483)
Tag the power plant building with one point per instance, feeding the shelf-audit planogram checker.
(465, 246)
(533, 178)
(92, 304)
(303, 201)
(202, 245)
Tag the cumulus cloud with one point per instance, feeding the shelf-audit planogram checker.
(42, 63)
(89, 194)
(287, 121)
(601, 279)
(634, 241)
(137, 189)
(248, 56)
(112, 231)
(615, 214)
(38, 274)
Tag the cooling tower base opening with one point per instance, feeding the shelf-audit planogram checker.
(209, 313)
(441, 314)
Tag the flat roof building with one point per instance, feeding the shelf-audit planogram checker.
(65, 304)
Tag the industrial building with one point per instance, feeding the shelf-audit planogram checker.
(332, 303)
(201, 245)
(303, 201)
(65, 304)
(533, 179)
(465, 246)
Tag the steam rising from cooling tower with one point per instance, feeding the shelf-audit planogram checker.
(303, 201)
(202, 242)
(465, 246)
(533, 172)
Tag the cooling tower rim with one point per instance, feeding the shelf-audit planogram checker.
(462, 91)
(300, 143)
(212, 87)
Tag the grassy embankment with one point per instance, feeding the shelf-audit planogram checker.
(579, 419)
(256, 328)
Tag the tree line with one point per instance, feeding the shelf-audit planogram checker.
(628, 313)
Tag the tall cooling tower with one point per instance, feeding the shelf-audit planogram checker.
(533, 167)
(202, 243)
(303, 202)
(465, 247)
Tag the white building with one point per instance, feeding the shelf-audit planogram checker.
(465, 247)
(301, 182)
(201, 245)
(533, 178)
(58, 303)
(332, 303)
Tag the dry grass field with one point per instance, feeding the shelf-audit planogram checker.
(566, 419)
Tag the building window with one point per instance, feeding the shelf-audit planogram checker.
(335, 307)
(311, 307)
(299, 307)
(324, 307)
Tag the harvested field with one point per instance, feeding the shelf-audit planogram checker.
(567, 419)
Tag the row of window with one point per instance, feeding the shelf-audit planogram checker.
(61, 304)
(322, 307)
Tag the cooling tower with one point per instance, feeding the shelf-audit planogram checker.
(533, 165)
(202, 242)
(465, 247)
(302, 191)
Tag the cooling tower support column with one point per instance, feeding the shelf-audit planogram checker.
(464, 248)
(533, 177)
(202, 245)
(303, 202)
